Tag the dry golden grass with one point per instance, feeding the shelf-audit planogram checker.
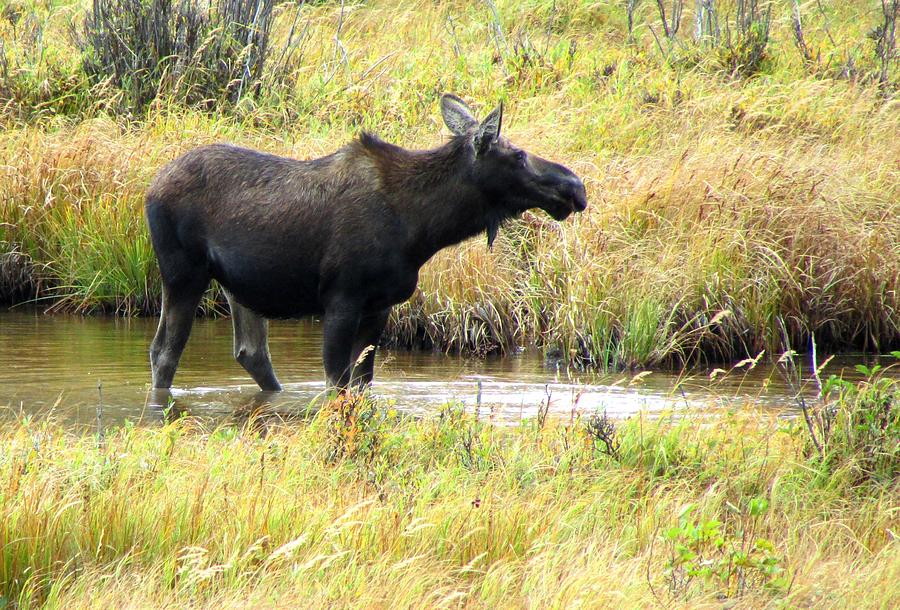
(726, 215)
(442, 512)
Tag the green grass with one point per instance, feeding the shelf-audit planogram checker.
(360, 506)
(765, 203)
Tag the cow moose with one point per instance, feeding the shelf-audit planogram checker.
(342, 236)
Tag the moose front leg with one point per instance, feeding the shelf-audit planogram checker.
(370, 328)
(340, 329)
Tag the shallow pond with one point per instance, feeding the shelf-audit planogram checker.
(54, 364)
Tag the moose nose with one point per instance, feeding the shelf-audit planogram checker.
(579, 195)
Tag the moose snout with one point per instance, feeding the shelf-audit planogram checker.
(577, 193)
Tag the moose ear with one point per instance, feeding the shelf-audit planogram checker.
(489, 130)
(457, 115)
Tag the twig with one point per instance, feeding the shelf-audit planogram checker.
(885, 41)
(799, 38)
(825, 22)
(495, 23)
(630, 5)
(544, 409)
(338, 47)
(499, 39)
(245, 76)
(550, 19)
(100, 438)
(671, 29)
(790, 374)
(649, 560)
(451, 27)
(478, 401)
(290, 38)
(658, 43)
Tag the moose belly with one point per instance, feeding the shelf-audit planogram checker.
(274, 301)
(271, 287)
(294, 286)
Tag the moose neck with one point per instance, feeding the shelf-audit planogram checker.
(447, 215)
(437, 197)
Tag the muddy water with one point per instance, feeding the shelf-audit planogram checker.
(54, 365)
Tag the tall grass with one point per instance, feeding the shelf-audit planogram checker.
(727, 214)
(358, 506)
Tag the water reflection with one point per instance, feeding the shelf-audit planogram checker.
(54, 365)
(257, 409)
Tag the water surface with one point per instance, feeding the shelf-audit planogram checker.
(54, 364)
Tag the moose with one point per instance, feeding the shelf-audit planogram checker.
(342, 236)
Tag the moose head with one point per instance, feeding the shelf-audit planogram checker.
(513, 179)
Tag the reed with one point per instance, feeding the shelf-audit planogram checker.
(727, 215)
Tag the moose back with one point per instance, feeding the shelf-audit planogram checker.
(343, 236)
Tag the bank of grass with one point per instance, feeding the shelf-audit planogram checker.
(357, 505)
(726, 215)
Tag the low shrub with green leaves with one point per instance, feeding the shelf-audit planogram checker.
(860, 424)
(703, 554)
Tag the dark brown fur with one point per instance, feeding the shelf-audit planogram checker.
(343, 235)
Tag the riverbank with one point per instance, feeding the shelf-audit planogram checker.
(360, 506)
(728, 213)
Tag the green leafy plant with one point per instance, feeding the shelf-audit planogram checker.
(860, 424)
(702, 552)
(853, 426)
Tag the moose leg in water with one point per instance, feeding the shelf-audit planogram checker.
(251, 345)
(179, 306)
(339, 332)
(370, 328)
(184, 280)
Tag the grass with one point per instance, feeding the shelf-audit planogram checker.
(357, 505)
(733, 209)
(727, 214)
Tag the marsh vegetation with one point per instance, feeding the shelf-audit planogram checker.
(735, 205)
(359, 505)
(741, 166)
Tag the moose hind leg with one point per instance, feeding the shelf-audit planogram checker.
(251, 345)
(175, 323)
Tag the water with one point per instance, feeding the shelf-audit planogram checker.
(54, 364)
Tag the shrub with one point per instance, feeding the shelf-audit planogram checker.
(200, 53)
(743, 52)
(853, 427)
(884, 37)
(356, 427)
(860, 427)
(703, 552)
